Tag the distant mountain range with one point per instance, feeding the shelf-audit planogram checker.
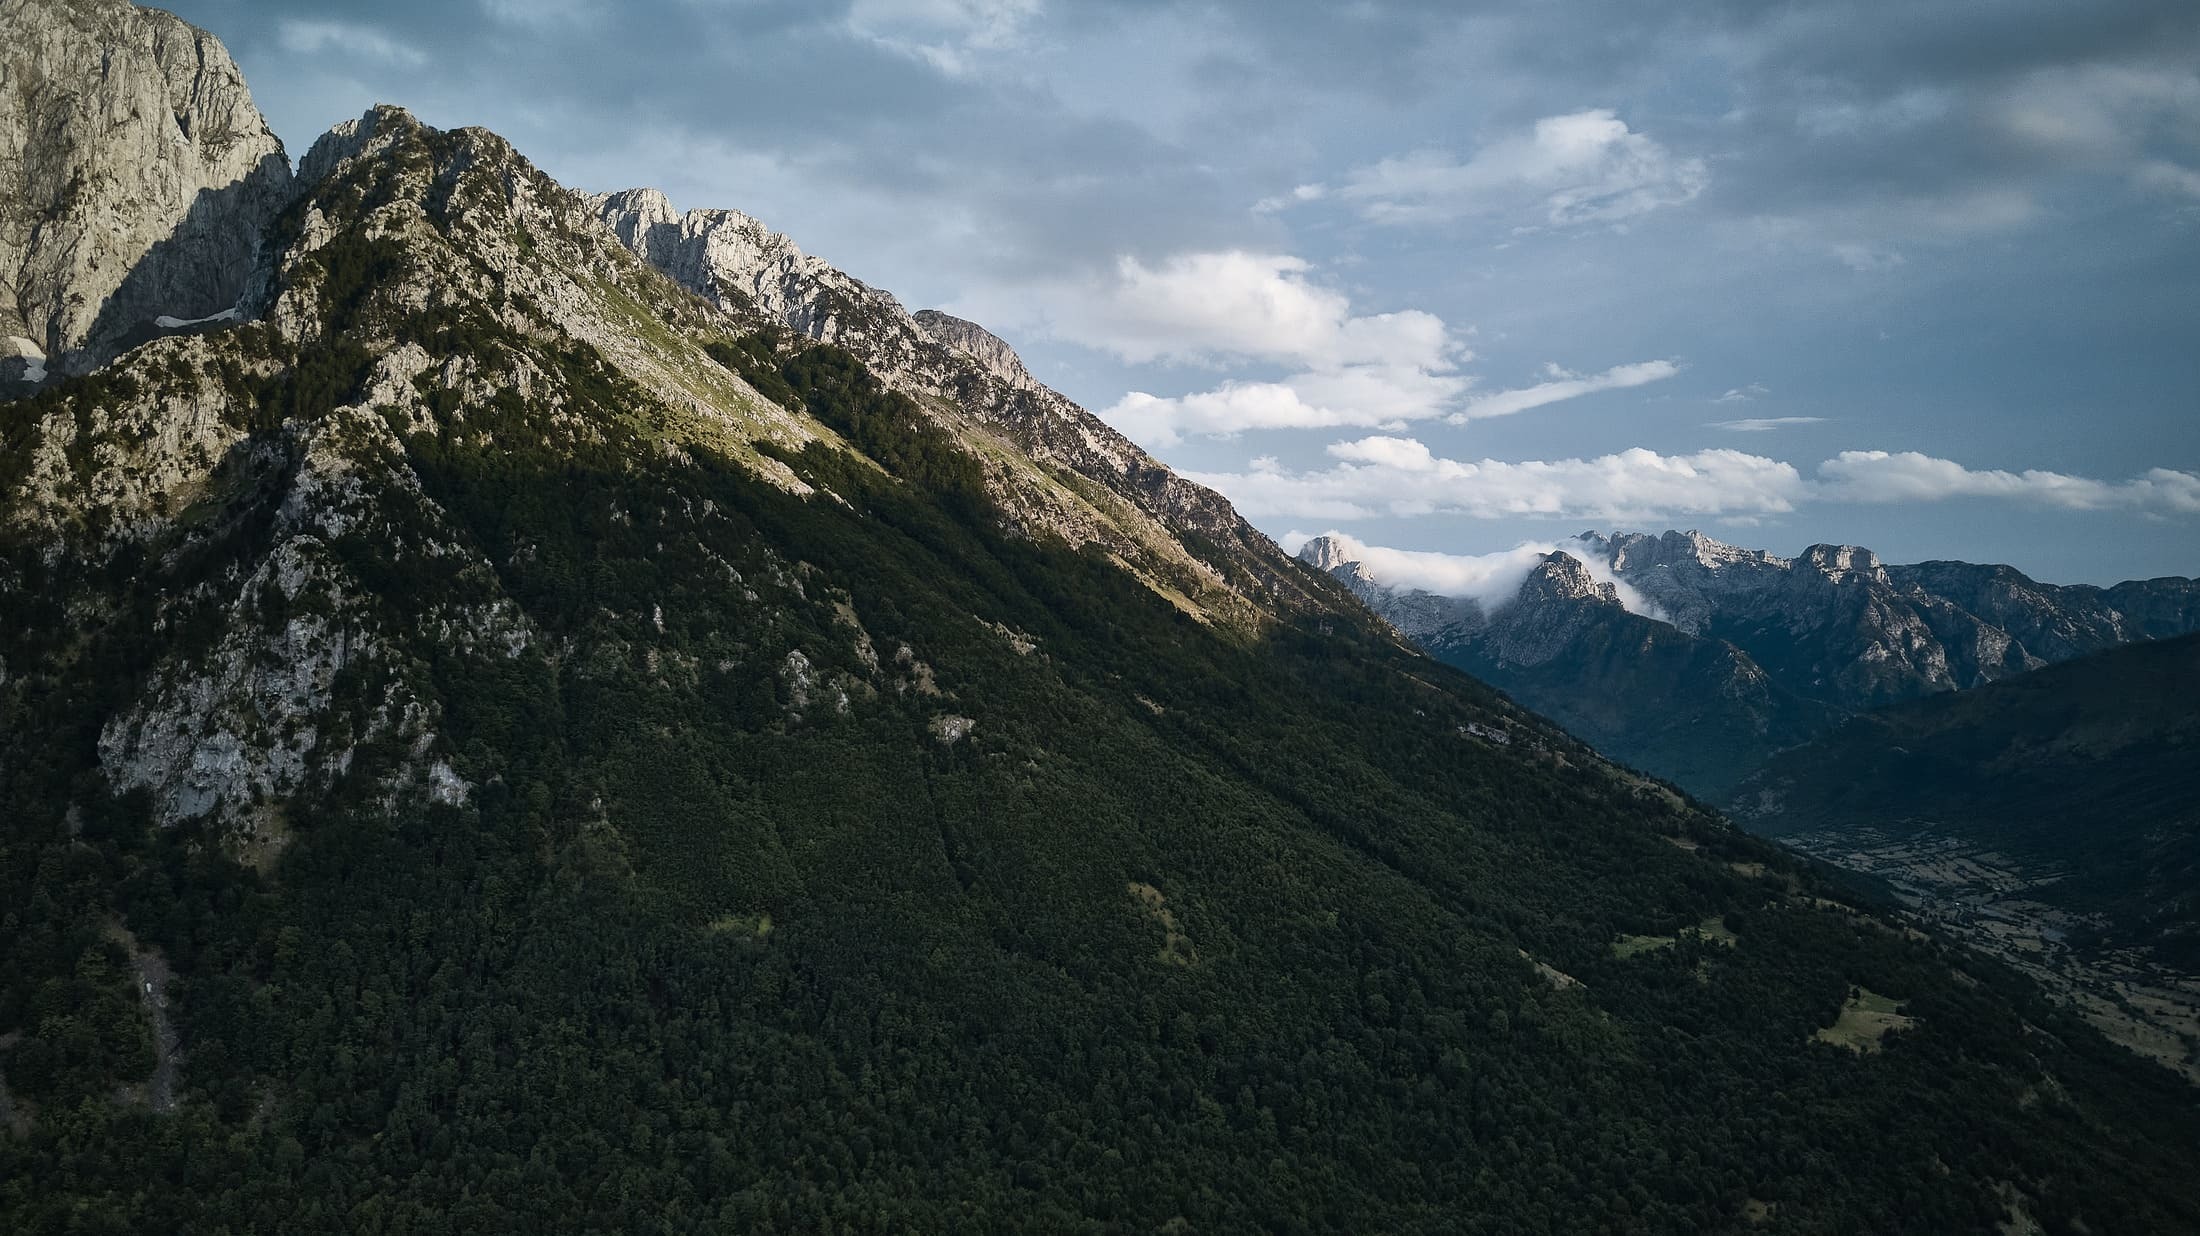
(2053, 819)
(1738, 652)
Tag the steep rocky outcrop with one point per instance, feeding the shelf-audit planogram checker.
(136, 182)
(736, 263)
(979, 344)
(2055, 622)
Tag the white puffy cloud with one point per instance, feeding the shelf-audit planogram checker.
(1233, 304)
(1490, 580)
(1560, 385)
(1582, 167)
(1154, 421)
(1907, 476)
(1359, 370)
(1388, 475)
(1367, 396)
(1380, 370)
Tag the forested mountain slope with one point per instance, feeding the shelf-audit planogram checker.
(499, 742)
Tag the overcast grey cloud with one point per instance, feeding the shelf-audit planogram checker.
(1946, 251)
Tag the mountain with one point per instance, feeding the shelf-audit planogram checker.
(2052, 818)
(1736, 653)
(1698, 712)
(505, 737)
(1053, 467)
(1840, 627)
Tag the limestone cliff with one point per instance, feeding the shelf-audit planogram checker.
(980, 345)
(136, 179)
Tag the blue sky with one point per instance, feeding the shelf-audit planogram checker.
(1922, 276)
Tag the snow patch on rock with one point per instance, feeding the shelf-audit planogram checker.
(168, 323)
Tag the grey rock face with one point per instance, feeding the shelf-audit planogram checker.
(979, 344)
(1325, 553)
(136, 179)
(1561, 577)
(738, 264)
(1686, 573)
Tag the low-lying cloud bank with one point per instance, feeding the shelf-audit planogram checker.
(1489, 580)
(1906, 476)
(1385, 475)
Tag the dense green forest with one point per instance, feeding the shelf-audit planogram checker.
(852, 861)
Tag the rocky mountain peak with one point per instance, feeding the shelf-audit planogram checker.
(1324, 553)
(1561, 577)
(1842, 563)
(1709, 552)
(347, 139)
(140, 180)
(738, 264)
(979, 344)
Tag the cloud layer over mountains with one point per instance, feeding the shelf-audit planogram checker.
(1402, 477)
(1489, 580)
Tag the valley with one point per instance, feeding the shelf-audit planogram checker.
(1989, 901)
